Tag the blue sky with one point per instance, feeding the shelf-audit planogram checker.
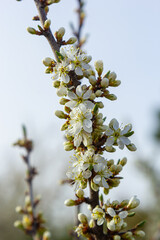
(124, 34)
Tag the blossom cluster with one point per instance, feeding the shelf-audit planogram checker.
(87, 134)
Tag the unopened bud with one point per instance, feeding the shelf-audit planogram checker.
(92, 97)
(46, 235)
(92, 223)
(139, 233)
(92, 80)
(133, 202)
(63, 101)
(112, 76)
(48, 61)
(19, 209)
(60, 33)
(116, 237)
(71, 40)
(68, 146)
(110, 149)
(18, 224)
(47, 24)
(111, 97)
(99, 67)
(127, 235)
(56, 84)
(124, 203)
(100, 104)
(80, 193)
(131, 147)
(119, 168)
(61, 114)
(27, 200)
(105, 82)
(69, 202)
(64, 127)
(82, 218)
(123, 161)
(31, 30)
(98, 93)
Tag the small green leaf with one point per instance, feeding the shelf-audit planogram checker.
(140, 224)
(60, 56)
(107, 74)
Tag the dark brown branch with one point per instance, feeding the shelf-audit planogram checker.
(47, 33)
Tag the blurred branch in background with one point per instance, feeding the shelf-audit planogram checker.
(151, 169)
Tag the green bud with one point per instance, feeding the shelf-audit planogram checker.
(99, 67)
(69, 202)
(68, 146)
(47, 24)
(127, 234)
(123, 161)
(106, 191)
(92, 223)
(31, 30)
(60, 33)
(139, 233)
(61, 114)
(48, 61)
(119, 169)
(124, 203)
(67, 109)
(114, 182)
(80, 193)
(110, 149)
(82, 218)
(105, 82)
(100, 104)
(92, 97)
(71, 40)
(56, 84)
(63, 101)
(110, 162)
(131, 147)
(98, 93)
(112, 76)
(92, 80)
(64, 127)
(115, 83)
(111, 97)
(94, 186)
(116, 237)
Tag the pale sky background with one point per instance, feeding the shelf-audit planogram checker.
(125, 34)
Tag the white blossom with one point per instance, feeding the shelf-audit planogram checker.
(116, 135)
(99, 215)
(117, 219)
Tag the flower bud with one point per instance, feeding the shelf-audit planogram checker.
(99, 67)
(60, 33)
(92, 80)
(49, 2)
(18, 224)
(106, 191)
(127, 235)
(98, 93)
(49, 70)
(46, 235)
(116, 237)
(123, 161)
(19, 209)
(71, 40)
(131, 147)
(113, 76)
(124, 203)
(82, 218)
(115, 83)
(64, 127)
(110, 149)
(119, 168)
(105, 82)
(47, 24)
(26, 221)
(92, 223)
(69, 202)
(31, 30)
(111, 97)
(48, 61)
(80, 193)
(139, 233)
(100, 104)
(27, 200)
(133, 202)
(68, 146)
(61, 114)
(110, 162)
(56, 84)
(63, 101)
(92, 97)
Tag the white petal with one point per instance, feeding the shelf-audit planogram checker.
(71, 104)
(88, 104)
(87, 174)
(79, 90)
(123, 214)
(111, 225)
(110, 141)
(77, 140)
(104, 183)
(65, 78)
(88, 115)
(100, 221)
(97, 179)
(111, 212)
(72, 95)
(78, 71)
(87, 94)
(109, 131)
(114, 123)
(77, 127)
(126, 129)
(87, 123)
(125, 140)
(120, 144)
